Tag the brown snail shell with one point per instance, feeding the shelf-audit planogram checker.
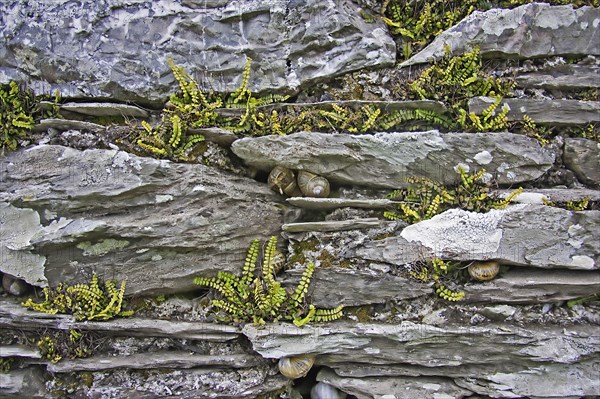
(296, 366)
(313, 185)
(13, 285)
(484, 270)
(283, 181)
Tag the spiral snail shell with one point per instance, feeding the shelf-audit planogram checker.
(296, 366)
(484, 271)
(283, 180)
(313, 185)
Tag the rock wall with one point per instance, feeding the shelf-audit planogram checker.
(73, 204)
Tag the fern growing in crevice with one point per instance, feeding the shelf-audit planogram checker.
(425, 198)
(84, 301)
(257, 297)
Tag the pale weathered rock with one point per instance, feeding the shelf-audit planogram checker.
(530, 286)
(533, 235)
(565, 76)
(556, 112)
(151, 222)
(336, 225)
(395, 387)
(68, 124)
(19, 351)
(104, 109)
(528, 31)
(24, 383)
(387, 159)
(582, 156)
(331, 287)
(126, 45)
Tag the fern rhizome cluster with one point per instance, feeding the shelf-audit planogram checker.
(15, 115)
(425, 198)
(257, 297)
(442, 273)
(84, 301)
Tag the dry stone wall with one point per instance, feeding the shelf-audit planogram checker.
(73, 204)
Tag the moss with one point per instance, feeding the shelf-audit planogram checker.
(102, 247)
(299, 248)
(326, 259)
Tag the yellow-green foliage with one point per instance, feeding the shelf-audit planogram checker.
(15, 115)
(257, 297)
(6, 364)
(19, 110)
(420, 21)
(425, 198)
(454, 80)
(439, 272)
(83, 301)
(574, 205)
(532, 130)
(59, 344)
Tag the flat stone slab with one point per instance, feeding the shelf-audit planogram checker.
(334, 203)
(534, 286)
(387, 159)
(127, 45)
(529, 31)
(14, 315)
(154, 223)
(556, 112)
(565, 76)
(104, 109)
(337, 225)
(155, 360)
(528, 235)
(68, 124)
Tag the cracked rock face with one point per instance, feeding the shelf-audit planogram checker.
(386, 159)
(529, 31)
(67, 214)
(127, 44)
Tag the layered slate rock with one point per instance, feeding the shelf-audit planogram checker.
(529, 31)
(127, 44)
(387, 159)
(544, 111)
(505, 360)
(564, 76)
(582, 156)
(67, 214)
(527, 235)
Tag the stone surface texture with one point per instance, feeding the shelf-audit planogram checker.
(527, 235)
(386, 159)
(529, 31)
(127, 43)
(582, 156)
(70, 213)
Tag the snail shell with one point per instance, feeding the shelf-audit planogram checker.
(13, 285)
(283, 181)
(326, 391)
(313, 185)
(484, 271)
(296, 366)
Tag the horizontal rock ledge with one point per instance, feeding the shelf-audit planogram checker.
(528, 235)
(385, 160)
(555, 112)
(104, 109)
(425, 345)
(13, 315)
(155, 360)
(534, 286)
(336, 225)
(565, 76)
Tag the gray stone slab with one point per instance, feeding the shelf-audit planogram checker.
(582, 156)
(120, 49)
(387, 159)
